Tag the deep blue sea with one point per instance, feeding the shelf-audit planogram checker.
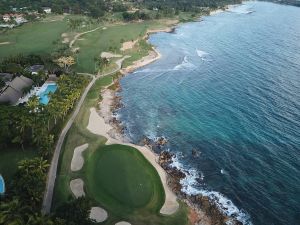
(228, 87)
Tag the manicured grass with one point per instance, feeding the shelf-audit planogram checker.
(111, 39)
(113, 174)
(9, 159)
(36, 37)
(121, 179)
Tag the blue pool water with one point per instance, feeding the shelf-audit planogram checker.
(229, 87)
(2, 185)
(44, 98)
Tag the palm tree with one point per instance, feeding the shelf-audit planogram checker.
(33, 104)
(12, 212)
(37, 219)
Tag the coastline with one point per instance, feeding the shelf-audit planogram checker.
(153, 54)
(202, 210)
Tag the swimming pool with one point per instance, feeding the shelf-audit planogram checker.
(2, 185)
(44, 92)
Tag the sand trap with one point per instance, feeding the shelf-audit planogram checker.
(104, 28)
(75, 49)
(98, 214)
(77, 187)
(63, 35)
(5, 43)
(128, 45)
(123, 223)
(98, 126)
(66, 40)
(78, 160)
(109, 55)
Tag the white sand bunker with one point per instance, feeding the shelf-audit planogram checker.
(98, 214)
(123, 223)
(77, 187)
(97, 124)
(109, 55)
(78, 160)
(4, 43)
(66, 40)
(75, 49)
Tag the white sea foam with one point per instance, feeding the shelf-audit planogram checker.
(240, 10)
(224, 204)
(185, 64)
(200, 53)
(203, 55)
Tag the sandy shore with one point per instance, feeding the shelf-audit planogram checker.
(98, 125)
(152, 56)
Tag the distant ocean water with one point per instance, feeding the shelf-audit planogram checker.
(229, 88)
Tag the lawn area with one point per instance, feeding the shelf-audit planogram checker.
(110, 39)
(10, 158)
(36, 37)
(117, 178)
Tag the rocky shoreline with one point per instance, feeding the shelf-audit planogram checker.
(205, 210)
(202, 210)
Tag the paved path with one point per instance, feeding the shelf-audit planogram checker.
(80, 34)
(48, 195)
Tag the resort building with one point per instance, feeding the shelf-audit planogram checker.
(6, 18)
(6, 77)
(19, 18)
(15, 90)
(35, 69)
(47, 10)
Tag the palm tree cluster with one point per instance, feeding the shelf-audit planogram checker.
(35, 125)
(22, 204)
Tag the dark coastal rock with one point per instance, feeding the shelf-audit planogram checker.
(146, 141)
(203, 205)
(161, 141)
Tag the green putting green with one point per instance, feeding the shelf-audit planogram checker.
(122, 180)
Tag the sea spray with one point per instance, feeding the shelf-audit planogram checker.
(189, 186)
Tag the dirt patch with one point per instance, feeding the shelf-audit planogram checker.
(77, 187)
(128, 45)
(78, 160)
(98, 214)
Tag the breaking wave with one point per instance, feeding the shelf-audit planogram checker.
(203, 55)
(224, 204)
(185, 64)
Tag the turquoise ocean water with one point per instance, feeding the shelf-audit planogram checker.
(228, 87)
